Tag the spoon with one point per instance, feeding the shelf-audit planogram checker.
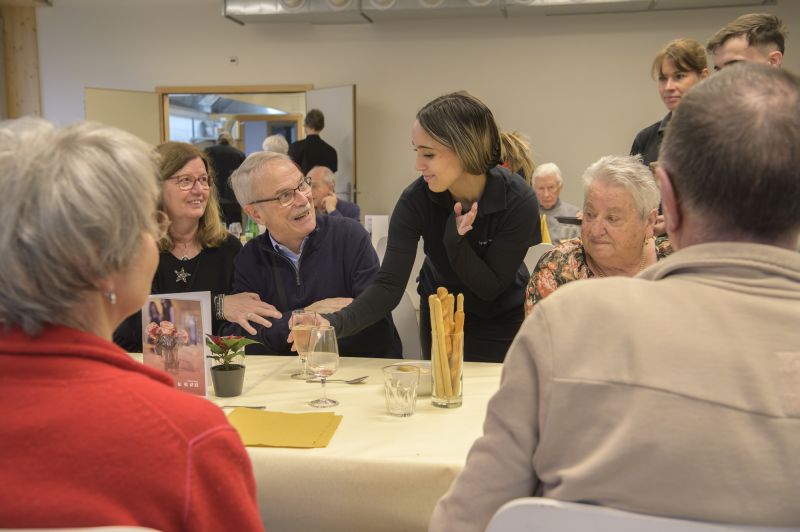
(357, 380)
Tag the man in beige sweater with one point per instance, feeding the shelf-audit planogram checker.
(677, 392)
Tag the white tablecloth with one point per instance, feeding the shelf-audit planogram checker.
(379, 473)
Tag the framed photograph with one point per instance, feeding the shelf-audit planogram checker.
(173, 337)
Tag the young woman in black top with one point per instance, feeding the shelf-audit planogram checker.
(477, 221)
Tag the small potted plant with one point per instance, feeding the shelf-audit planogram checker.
(227, 372)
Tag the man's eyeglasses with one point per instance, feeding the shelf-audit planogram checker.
(186, 182)
(286, 197)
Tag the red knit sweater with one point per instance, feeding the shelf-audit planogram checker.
(90, 437)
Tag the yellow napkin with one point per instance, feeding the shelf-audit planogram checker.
(545, 231)
(280, 429)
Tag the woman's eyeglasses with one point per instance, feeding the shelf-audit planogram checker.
(286, 197)
(186, 182)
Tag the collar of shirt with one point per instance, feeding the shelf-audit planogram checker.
(664, 122)
(286, 252)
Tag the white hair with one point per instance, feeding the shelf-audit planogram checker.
(627, 171)
(547, 169)
(75, 204)
(241, 179)
(276, 143)
(328, 176)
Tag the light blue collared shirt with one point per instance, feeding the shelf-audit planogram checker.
(286, 252)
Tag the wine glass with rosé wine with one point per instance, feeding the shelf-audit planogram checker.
(323, 360)
(300, 324)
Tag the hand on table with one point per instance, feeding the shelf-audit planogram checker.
(329, 203)
(464, 221)
(247, 307)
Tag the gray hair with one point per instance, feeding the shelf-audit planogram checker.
(629, 172)
(76, 202)
(276, 143)
(328, 176)
(731, 151)
(547, 169)
(241, 179)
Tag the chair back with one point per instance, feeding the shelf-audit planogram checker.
(534, 254)
(405, 319)
(380, 249)
(549, 515)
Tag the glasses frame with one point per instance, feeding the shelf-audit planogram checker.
(195, 181)
(305, 180)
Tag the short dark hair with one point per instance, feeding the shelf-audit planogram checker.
(464, 124)
(732, 151)
(315, 120)
(759, 28)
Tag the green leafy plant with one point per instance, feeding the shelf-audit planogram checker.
(225, 348)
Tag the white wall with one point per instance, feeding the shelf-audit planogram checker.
(579, 86)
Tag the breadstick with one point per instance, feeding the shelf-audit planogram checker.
(458, 357)
(445, 365)
(460, 302)
(438, 377)
(450, 303)
(441, 293)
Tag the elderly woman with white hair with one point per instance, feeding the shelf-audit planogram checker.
(619, 209)
(276, 143)
(93, 436)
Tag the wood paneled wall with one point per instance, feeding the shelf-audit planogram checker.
(21, 60)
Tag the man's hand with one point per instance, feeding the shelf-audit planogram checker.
(319, 321)
(246, 307)
(329, 203)
(464, 221)
(332, 304)
(660, 227)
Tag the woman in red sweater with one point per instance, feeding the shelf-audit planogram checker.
(89, 436)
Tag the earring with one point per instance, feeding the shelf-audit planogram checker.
(112, 297)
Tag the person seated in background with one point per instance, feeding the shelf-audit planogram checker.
(678, 67)
(323, 192)
(91, 437)
(678, 397)
(276, 143)
(197, 253)
(225, 158)
(619, 209)
(515, 150)
(303, 260)
(313, 151)
(548, 184)
(751, 38)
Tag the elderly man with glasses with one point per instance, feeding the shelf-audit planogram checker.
(302, 260)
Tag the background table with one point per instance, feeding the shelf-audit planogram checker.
(379, 473)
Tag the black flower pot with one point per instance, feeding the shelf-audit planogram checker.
(227, 383)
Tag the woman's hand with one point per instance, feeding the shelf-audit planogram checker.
(247, 307)
(464, 221)
(319, 321)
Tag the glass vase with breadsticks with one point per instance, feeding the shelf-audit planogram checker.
(447, 347)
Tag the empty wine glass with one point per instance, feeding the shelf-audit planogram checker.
(300, 324)
(323, 360)
(235, 229)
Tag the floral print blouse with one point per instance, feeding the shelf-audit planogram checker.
(564, 263)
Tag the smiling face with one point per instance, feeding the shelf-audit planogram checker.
(674, 83)
(737, 49)
(287, 225)
(438, 164)
(182, 205)
(612, 231)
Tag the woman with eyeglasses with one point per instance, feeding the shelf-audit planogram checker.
(196, 254)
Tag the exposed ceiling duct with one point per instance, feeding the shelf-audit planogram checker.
(365, 11)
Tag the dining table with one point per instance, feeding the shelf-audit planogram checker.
(379, 472)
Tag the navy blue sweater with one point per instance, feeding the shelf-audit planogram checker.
(338, 260)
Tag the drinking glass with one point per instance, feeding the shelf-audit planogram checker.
(300, 324)
(323, 360)
(235, 229)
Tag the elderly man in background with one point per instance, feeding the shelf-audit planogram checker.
(323, 191)
(276, 143)
(751, 38)
(679, 396)
(225, 158)
(303, 260)
(547, 184)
